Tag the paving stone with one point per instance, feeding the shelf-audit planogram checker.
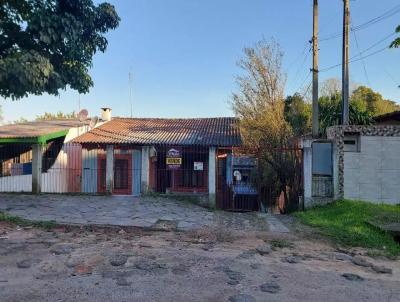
(123, 282)
(270, 287)
(293, 259)
(62, 249)
(357, 260)
(234, 275)
(264, 249)
(242, 298)
(352, 277)
(247, 254)
(118, 260)
(342, 257)
(381, 269)
(26, 263)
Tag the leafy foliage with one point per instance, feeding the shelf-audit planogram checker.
(330, 111)
(396, 42)
(298, 114)
(47, 45)
(368, 100)
(260, 105)
(56, 116)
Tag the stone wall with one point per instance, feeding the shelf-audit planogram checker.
(373, 173)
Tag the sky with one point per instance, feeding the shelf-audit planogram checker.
(183, 53)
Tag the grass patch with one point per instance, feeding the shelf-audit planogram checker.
(281, 244)
(347, 222)
(48, 225)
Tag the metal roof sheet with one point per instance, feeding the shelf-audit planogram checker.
(38, 128)
(220, 131)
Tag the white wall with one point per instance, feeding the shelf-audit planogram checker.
(373, 174)
(56, 178)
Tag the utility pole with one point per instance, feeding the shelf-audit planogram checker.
(345, 63)
(315, 107)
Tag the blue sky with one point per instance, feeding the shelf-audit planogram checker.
(183, 54)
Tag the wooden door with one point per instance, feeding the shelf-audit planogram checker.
(123, 174)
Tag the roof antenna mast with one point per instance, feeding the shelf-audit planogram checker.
(130, 90)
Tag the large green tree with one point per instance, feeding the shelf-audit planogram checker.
(373, 102)
(298, 114)
(48, 45)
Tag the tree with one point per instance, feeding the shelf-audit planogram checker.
(298, 114)
(56, 116)
(47, 45)
(396, 42)
(372, 102)
(259, 104)
(330, 109)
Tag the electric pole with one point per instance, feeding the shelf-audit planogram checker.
(315, 107)
(345, 63)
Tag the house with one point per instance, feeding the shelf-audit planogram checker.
(132, 156)
(35, 156)
(392, 118)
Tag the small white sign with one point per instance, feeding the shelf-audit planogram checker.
(198, 166)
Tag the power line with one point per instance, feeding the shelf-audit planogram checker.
(363, 61)
(391, 12)
(355, 60)
(301, 66)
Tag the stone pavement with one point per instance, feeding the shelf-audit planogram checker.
(126, 211)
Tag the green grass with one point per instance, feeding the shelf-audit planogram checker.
(48, 225)
(347, 223)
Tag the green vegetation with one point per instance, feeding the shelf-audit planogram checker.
(396, 42)
(281, 244)
(348, 223)
(48, 225)
(46, 46)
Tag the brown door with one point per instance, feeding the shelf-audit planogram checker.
(101, 174)
(122, 174)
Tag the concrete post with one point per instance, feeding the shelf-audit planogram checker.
(307, 172)
(145, 176)
(109, 169)
(212, 184)
(37, 157)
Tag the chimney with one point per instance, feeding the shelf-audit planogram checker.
(106, 114)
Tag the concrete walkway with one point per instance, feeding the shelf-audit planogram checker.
(126, 211)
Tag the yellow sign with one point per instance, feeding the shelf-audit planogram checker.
(174, 161)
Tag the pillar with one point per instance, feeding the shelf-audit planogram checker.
(109, 169)
(307, 172)
(145, 174)
(37, 157)
(212, 184)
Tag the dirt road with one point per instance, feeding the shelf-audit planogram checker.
(73, 264)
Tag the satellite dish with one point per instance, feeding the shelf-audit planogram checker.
(83, 114)
(93, 122)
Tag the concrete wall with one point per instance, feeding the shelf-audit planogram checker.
(373, 174)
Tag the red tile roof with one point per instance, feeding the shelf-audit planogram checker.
(220, 131)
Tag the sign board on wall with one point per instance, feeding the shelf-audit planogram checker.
(174, 158)
(198, 166)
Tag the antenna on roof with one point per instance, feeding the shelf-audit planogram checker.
(82, 115)
(130, 77)
(93, 122)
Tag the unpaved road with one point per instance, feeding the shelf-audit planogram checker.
(73, 264)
